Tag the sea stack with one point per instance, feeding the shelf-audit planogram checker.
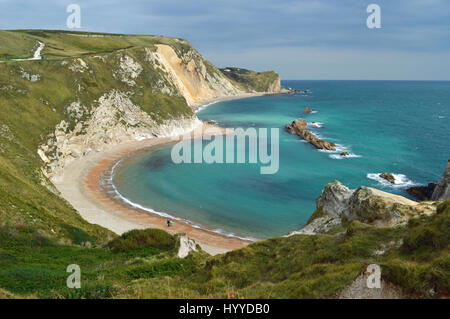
(389, 177)
(307, 110)
(298, 127)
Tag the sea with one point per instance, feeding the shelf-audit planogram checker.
(400, 127)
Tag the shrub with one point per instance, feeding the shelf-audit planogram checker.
(141, 239)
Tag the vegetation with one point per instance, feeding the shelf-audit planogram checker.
(143, 264)
(250, 80)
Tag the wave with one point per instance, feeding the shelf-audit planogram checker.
(341, 149)
(401, 180)
(118, 195)
(201, 108)
(314, 125)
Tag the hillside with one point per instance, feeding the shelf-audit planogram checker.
(93, 90)
(251, 80)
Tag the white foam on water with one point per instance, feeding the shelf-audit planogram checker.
(314, 125)
(401, 180)
(205, 106)
(340, 149)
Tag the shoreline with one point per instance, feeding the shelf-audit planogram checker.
(198, 106)
(82, 186)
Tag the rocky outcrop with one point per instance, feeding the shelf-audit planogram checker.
(366, 204)
(298, 127)
(186, 246)
(389, 177)
(442, 190)
(422, 192)
(307, 110)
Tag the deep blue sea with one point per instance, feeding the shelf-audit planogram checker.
(400, 127)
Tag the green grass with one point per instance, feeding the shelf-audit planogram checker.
(299, 266)
(142, 239)
(250, 80)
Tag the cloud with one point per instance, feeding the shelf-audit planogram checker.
(233, 29)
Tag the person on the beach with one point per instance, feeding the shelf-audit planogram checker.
(171, 222)
(168, 222)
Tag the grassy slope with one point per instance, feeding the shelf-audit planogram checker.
(143, 264)
(250, 80)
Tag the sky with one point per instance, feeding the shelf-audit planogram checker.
(300, 39)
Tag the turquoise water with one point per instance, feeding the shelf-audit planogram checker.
(398, 127)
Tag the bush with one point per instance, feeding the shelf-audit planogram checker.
(142, 239)
(432, 233)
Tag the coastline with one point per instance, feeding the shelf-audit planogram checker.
(198, 106)
(81, 185)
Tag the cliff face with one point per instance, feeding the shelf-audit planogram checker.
(442, 190)
(194, 77)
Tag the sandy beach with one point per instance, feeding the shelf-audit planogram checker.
(80, 184)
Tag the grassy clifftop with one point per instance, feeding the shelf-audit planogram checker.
(251, 80)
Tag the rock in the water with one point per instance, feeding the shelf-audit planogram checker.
(307, 110)
(442, 190)
(344, 154)
(422, 192)
(389, 177)
(298, 127)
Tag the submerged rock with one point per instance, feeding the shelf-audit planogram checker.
(344, 154)
(298, 127)
(389, 177)
(442, 190)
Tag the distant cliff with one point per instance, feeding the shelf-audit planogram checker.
(251, 81)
